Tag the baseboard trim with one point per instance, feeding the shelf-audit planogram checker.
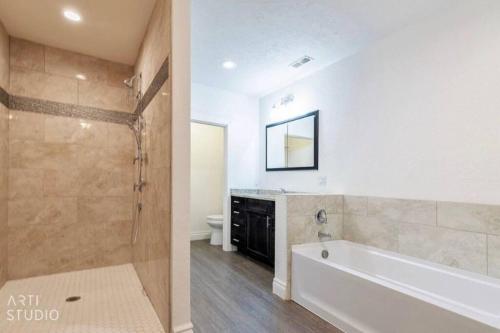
(184, 328)
(281, 289)
(200, 235)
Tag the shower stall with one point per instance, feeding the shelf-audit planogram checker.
(85, 185)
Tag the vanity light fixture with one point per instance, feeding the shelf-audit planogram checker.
(72, 15)
(228, 64)
(284, 101)
(81, 77)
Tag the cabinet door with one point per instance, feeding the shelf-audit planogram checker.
(259, 232)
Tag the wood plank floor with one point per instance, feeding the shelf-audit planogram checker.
(232, 293)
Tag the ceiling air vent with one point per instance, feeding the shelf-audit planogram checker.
(301, 62)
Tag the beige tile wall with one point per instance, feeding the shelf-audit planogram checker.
(455, 234)
(151, 254)
(70, 194)
(4, 154)
(44, 72)
(70, 198)
(302, 227)
(156, 44)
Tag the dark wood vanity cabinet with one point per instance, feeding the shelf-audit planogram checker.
(252, 227)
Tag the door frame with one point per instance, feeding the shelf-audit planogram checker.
(226, 195)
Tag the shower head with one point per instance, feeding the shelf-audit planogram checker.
(130, 81)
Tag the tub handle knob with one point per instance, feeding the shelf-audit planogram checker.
(321, 217)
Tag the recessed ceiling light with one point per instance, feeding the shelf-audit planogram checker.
(229, 64)
(72, 15)
(81, 77)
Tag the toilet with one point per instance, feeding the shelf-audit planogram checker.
(215, 223)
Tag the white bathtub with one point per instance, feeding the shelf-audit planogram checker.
(364, 289)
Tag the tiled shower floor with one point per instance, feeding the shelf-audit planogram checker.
(112, 301)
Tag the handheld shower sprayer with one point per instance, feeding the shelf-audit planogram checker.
(137, 129)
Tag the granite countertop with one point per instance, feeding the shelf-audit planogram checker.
(258, 194)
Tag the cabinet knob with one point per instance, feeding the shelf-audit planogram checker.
(236, 240)
(236, 225)
(236, 212)
(236, 201)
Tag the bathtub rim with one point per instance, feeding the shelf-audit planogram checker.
(482, 317)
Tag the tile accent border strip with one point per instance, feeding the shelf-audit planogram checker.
(4, 97)
(160, 78)
(69, 110)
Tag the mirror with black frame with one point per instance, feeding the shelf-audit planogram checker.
(293, 144)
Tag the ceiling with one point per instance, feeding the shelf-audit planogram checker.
(110, 29)
(264, 36)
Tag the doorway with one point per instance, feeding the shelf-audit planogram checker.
(208, 181)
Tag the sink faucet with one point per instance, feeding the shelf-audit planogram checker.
(282, 190)
(323, 235)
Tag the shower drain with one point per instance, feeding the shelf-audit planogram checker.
(73, 299)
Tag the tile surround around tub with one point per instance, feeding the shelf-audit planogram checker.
(494, 256)
(301, 212)
(371, 230)
(408, 211)
(454, 234)
(469, 217)
(465, 250)
(301, 223)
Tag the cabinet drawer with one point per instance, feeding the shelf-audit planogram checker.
(239, 241)
(237, 203)
(238, 228)
(237, 213)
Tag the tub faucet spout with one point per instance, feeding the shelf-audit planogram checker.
(322, 236)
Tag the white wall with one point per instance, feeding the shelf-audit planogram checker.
(416, 115)
(241, 115)
(207, 176)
